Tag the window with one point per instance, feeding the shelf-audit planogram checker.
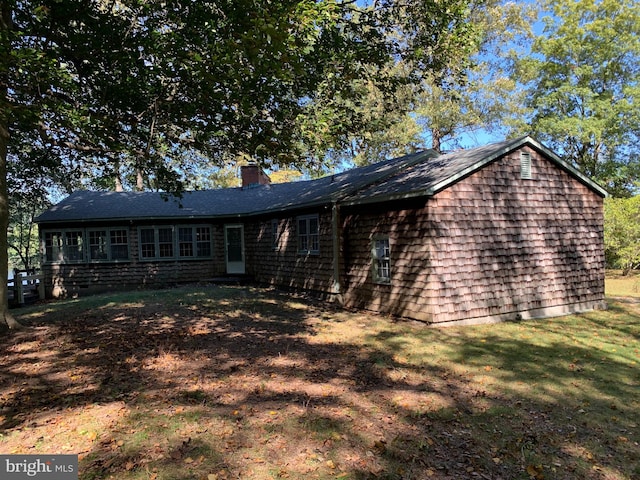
(185, 242)
(165, 242)
(147, 243)
(525, 166)
(109, 244)
(64, 246)
(53, 246)
(275, 234)
(175, 242)
(90, 245)
(98, 245)
(73, 246)
(203, 241)
(119, 244)
(112, 244)
(380, 253)
(308, 234)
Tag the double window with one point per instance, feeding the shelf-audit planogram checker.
(308, 234)
(381, 255)
(111, 244)
(64, 246)
(168, 242)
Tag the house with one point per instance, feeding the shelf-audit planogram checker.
(503, 231)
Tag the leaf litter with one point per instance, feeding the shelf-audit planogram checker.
(221, 383)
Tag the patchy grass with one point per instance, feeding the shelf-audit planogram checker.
(618, 285)
(229, 382)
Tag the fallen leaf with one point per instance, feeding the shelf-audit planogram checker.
(535, 471)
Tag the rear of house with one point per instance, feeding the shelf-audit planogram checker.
(499, 232)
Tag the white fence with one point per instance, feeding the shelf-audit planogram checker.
(25, 285)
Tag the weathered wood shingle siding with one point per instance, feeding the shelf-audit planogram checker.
(489, 246)
(284, 266)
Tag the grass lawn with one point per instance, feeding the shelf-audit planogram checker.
(214, 383)
(619, 285)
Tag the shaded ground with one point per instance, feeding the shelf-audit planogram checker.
(221, 382)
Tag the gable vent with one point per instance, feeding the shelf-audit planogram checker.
(525, 166)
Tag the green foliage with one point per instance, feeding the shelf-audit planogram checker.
(469, 90)
(137, 94)
(583, 87)
(137, 91)
(622, 232)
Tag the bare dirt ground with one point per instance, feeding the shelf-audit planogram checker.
(218, 383)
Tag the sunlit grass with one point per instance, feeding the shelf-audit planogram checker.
(237, 382)
(618, 285)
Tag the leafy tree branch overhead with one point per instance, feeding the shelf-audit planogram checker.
(104, 89)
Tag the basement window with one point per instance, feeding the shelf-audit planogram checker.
(525, 166)
(381, 255)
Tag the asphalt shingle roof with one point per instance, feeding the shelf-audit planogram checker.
(422, 173)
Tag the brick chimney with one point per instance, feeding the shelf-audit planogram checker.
(253, 175)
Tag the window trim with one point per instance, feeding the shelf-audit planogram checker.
(375, 260)
(308, 236)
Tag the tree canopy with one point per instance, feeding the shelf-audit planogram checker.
(583, 87)
(134, 93)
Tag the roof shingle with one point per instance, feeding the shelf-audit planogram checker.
(422, 173)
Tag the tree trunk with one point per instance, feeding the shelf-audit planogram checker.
(6, 319)
(139, 180)
(436, 140)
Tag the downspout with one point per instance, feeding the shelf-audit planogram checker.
(336, 291)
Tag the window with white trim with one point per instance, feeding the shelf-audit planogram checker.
(381, 256)
(194, 242)
(308, 234)
(53, 242)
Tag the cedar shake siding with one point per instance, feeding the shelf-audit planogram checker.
(282, 264)
(502, 232)
(490, 247)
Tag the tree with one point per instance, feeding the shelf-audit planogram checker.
(583, 87)
(469, 90)
(136, 93)
(622, 232)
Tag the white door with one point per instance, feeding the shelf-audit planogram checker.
(234, 248)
